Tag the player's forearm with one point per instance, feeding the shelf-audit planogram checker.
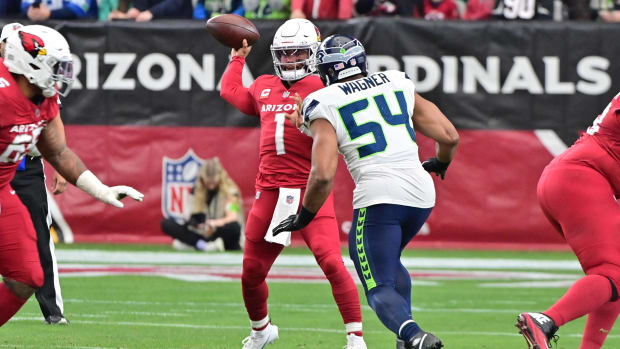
(67, 163)
(233, 90)
(446, 148)
(318, 190)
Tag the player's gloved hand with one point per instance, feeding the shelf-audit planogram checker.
(433, 165)
(196, 219)
(115, 194)
(295, 222)
(89, 183)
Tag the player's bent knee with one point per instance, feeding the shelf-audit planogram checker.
(20, 289)
(331, 265)
(254, 271)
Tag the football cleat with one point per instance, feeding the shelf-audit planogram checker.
(400, 344)
(355, 342)
(538, 330)
(259, 339)
(181, 246)
(424, 340)
(56, 320)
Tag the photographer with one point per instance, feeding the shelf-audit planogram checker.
(217, 217)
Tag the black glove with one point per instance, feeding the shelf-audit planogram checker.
(197, 219)
(295, 221)
(434, 165)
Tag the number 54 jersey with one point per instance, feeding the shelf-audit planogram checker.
(372, 119)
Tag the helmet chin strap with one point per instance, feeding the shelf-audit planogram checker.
(293, 75)
(49, 92)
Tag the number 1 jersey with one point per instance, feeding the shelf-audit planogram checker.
(372, 119)
(285, 153)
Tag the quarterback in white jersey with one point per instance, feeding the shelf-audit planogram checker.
(370, 119)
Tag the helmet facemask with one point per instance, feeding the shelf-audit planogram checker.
(290, 69)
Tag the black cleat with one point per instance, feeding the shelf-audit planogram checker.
(424, 340)
(538, 330)
(56, 320)
(400, 344)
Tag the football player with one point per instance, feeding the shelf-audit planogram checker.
(578, 193)
(36, 69)
(370, 119)
(284, 157)
(29, 184)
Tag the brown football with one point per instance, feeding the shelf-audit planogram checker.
(230, 30)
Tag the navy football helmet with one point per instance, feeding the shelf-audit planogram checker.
(340, 56)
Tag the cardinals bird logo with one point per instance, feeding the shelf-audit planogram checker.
(32, 44)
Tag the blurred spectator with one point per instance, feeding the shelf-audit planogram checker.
(478, 9)
(578, 9)
(529, 9)
(146, 10)
(10, 8)
(267, 9)
(205, 9)
(42, 10)
(384, 7)
(217, 217)
(609, 11)
(435, 9)
(322, 9)
(107, 7)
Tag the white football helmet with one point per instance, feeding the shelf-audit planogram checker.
(42, 55)
(8, 29)
(292, 36)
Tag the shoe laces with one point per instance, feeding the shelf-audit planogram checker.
(555, 339)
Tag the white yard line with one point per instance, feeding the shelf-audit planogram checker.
(171, 258)
(282, 328)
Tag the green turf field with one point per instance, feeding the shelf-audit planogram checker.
(466, 306)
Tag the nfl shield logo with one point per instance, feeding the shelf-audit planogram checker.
(178, 177)
(286, 94)
(289, 199)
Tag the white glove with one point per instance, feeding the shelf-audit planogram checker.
(89, 183)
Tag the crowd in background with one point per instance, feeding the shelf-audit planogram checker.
(146, 10)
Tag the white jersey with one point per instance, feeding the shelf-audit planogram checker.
(372, 119)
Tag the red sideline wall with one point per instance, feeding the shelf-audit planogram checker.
(487, 199)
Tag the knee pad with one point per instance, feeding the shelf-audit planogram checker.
(611, 273)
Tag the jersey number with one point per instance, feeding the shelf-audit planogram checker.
(280, 119)
(347, 114)
(15, 151)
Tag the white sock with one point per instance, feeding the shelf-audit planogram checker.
(260, 323)
(353, 327)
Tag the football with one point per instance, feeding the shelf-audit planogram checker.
(230, 30)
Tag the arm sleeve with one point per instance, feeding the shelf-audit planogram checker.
(345, 9)
(297, 5)
(233, 90)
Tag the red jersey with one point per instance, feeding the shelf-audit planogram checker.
(285, 153)
(436, 10)
(599, 147)
(324, 9)
(21, 123)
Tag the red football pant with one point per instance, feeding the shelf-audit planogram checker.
(579, 202)
(321, 235)
(19, 257)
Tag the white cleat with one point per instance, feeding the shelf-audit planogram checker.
(181, 246)
(355, 342)
(259, 339)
